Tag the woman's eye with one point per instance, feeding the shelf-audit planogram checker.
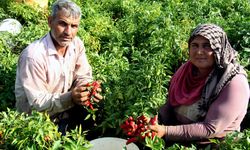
(207, 47)
(194, 46)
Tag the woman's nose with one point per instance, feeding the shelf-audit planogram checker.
(200, 50)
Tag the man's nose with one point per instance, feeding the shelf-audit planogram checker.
(67, 30)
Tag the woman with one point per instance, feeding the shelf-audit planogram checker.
(209, 94)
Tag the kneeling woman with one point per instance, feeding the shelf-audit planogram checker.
(209, 94)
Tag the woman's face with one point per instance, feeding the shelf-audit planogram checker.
(201, 54)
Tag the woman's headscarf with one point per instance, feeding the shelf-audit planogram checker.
(226, 67)
(223, 52)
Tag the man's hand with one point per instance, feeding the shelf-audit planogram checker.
(82, 94)
(97, 96)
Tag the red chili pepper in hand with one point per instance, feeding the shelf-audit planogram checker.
(92, 87)
(138, 129)
(153, 121)
(153, 135)
(131, 140)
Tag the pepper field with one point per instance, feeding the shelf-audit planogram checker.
(134, 47)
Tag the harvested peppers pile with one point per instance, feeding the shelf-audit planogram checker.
(137, 129)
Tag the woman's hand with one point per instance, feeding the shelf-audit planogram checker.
(159, 129)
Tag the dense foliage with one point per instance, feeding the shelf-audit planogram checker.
(134, 47)
(20, 131)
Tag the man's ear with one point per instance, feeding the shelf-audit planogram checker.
(49, 21)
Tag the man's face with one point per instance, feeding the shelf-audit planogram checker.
(63, 29)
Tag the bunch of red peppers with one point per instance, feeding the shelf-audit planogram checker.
(137, 129)
(92, 88)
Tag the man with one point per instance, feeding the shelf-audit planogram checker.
(53, 71)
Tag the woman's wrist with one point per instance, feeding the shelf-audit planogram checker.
(166, 130)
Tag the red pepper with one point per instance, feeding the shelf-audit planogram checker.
(126, 122)
(88, 84)
(91, 106)
(153, 121)
(131, 140)
(130, 118)
(96, 84)
(93, 93)
(129, 133)
(142, 119)
(153, 135)
(92, 87)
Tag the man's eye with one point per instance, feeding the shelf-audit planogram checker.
(62, 24)
(74, 26)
